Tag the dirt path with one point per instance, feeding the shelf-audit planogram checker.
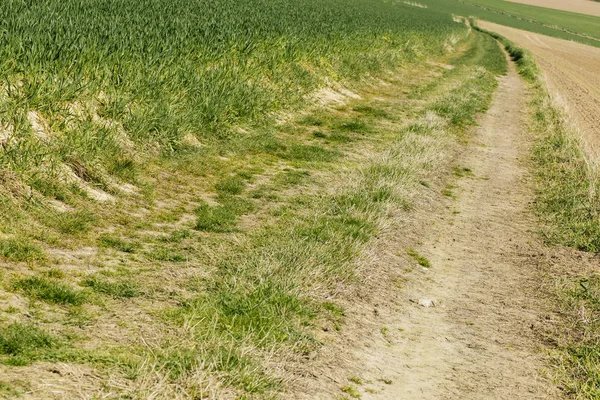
(477, 341)
(573, 73)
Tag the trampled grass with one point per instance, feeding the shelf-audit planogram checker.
(171, 177)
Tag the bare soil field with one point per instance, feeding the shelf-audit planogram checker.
(573, 74)
(576, 6)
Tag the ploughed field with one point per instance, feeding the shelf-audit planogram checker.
(589, 7)
(573, 73)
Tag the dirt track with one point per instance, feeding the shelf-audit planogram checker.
(477, 342)
(573, 74)
(577, 6)
(480, 339)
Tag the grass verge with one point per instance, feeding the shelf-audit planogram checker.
(236, 271)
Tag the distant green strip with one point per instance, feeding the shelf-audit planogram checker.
(561, 24)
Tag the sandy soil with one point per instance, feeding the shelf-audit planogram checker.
(480, 336)
(573, 73)
(577, 6)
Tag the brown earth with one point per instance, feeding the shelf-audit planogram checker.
(577, 6)
(471, 325)
(573, 74)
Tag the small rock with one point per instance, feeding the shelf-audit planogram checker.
(427, 303)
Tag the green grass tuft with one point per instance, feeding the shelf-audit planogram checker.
(52, 291)
(312, 120)
(421, 260)
(302, 152)
(116, 289)
(113, 242)
(215, 218)
(167, 253)
(372, 111)
(177, 236)
(20, 250)
(351, 391)
(231, 185)
(356, 380)
(73, 222)
(236, 204)
(291, 177)
(24, 343)
(341, 138)
(334, 308)
(461, 172)
(355, 125)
